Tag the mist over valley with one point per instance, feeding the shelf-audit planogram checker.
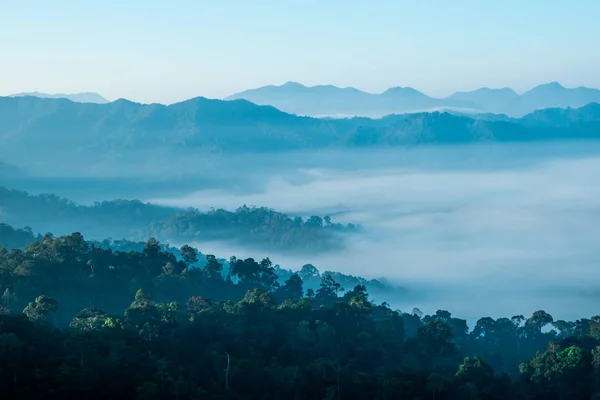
(508, 224)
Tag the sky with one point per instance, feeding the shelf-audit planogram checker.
(158, 51)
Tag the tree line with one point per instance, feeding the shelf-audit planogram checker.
(79, 320)
(134, 219)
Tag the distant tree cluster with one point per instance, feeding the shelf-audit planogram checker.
(106, 274)
(82, 321)
(16, 238)
(134, 219)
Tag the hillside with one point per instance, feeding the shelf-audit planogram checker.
(9, 171)
(87, 97)
(39, 129)
(135, 220)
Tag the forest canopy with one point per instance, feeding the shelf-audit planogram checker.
(79, 319)
(133, 219)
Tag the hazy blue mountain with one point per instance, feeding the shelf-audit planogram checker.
(36, 129)
(332, 101)
(9, 170)
(319, 101)
(555, 95)
(588, 115)
(492, 100)
(87, 97)
(549, 95)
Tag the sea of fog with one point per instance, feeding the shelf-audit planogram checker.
(480, 230)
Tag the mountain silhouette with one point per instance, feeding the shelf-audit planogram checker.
(87, 97)
(332, 101)
(490, 100)
(9, 171)
(329, 100)
(38, 128)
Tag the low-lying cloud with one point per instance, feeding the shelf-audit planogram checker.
(472, 238)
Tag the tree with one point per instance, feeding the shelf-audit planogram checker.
(308, 271)
(213, 268)
(89, 319)
(358, 298)
(258, 299)
(475, 371)
(152, 247)
(197, 304)
(189, 255)
(327, 294)
(41, 309)
(291, 290)
(539, 319)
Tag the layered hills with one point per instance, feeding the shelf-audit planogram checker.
(328, 100)
(29, 123)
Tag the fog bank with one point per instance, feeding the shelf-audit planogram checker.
(503, 231)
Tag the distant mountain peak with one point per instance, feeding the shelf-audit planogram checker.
(334, 101)
(84, 97)
(291, 84)
(496, 90)
(403, 90)
(549, 85)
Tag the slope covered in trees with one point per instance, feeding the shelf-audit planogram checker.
(133, 219)
(42, 264)
(65, 127)
(82, 321)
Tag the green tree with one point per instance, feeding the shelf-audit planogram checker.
(41, 309)
(189, 255)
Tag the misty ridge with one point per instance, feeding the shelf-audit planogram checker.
(133, 219)
(511, 221)
(446, 202)
(61, 128)
(207, 217)
(87, 97)
(332, 101)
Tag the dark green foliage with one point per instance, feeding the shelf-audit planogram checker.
(134, 219)
(15, 238)
(82, 321)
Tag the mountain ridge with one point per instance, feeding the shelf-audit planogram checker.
(299, 99)
(84, 97)
(37, 128)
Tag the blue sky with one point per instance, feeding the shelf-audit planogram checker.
(166, 51)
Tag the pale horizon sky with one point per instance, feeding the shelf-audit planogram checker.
(156, 51)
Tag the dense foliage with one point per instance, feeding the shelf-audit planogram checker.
(311, 276)
(15, 238)
(134, 219)
(82, 321)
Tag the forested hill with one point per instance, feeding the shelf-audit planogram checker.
(19, 239)
(199, 123)
(82, 321)
(133, 219)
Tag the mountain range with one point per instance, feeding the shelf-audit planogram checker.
(87, 97)
(32, 127)
(332, 101)
(9, 171)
